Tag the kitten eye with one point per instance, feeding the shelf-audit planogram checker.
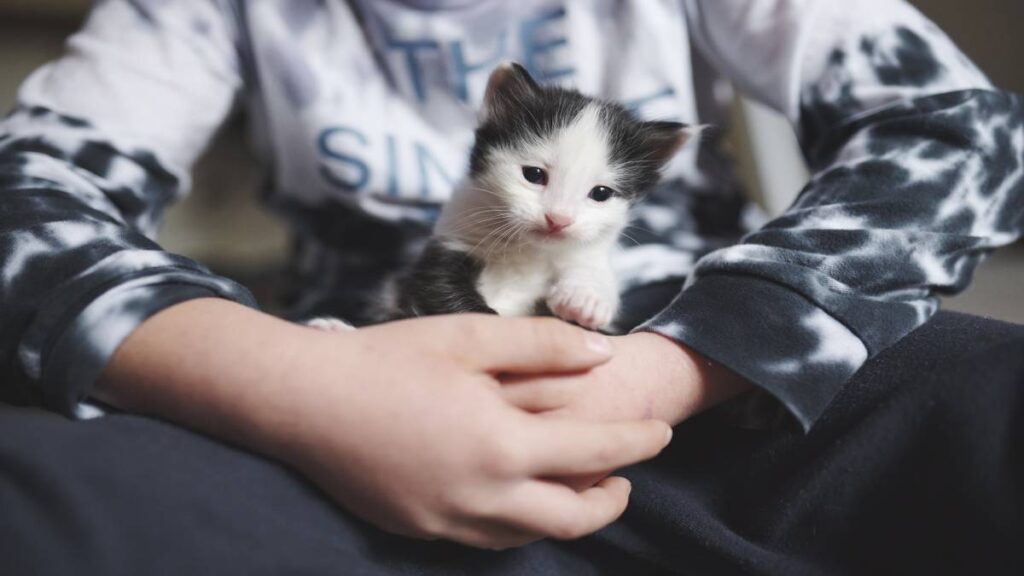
(535, 175)
(601, 193)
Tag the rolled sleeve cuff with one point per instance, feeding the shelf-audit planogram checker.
(769, 334)
(70, 346)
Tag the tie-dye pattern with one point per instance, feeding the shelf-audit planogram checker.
(80, 203)
(917, 162)
(918, 174)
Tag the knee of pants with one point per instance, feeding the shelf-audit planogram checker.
(957, 365)
(953, 364)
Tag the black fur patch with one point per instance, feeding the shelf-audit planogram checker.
(443, 281)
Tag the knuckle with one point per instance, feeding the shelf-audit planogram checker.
(552, 335)
(504, 457)
(454, 503)
(606, 455)
(569, 529)
(480, 539)
(467, 337)
(552, 397)
(615, 445)
(468, 322)
(466, 329)
(470, 506)
(428, 526)
(485, 509)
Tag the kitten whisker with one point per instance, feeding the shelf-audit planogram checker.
(486, 238)
(463, 226)
(506, 236)
(481, 217)
(512, 235)
(486, 191)
(630, 238)
(640, 228)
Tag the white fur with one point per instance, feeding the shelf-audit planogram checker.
(498, 217)
(329, 324)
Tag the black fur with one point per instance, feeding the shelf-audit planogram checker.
(443, 281)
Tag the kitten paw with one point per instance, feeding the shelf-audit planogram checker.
(328, 324)
(583, 305)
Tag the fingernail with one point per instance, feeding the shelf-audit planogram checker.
(599, 343)
(668, 435)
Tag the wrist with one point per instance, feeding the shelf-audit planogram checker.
(688, 382)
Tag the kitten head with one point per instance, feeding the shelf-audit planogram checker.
(565, 167)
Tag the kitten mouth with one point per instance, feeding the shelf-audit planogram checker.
(548, 234)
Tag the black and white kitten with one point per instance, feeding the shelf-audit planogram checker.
(552, 176)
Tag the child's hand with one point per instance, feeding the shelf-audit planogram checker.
(649, 376)
(405, 426)
(403, 423)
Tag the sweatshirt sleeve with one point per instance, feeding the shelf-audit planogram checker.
(99, 143)
(917, 176)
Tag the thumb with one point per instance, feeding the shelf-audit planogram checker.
(535, 345)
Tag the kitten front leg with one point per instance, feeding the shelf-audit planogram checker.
(588, 296)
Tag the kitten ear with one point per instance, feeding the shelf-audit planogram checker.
(510, 85)
(664, 138)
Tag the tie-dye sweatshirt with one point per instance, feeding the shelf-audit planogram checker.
(362, 111)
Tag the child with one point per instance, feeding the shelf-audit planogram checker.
(364, 110)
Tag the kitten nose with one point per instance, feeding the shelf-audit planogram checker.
(557, 222)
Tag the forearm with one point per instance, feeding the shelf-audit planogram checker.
(217, 367)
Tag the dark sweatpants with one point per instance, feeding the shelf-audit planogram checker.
(916, 468)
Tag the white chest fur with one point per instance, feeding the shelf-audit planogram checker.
(513, 285)
(577, 285)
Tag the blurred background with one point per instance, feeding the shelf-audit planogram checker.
(222, 225)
